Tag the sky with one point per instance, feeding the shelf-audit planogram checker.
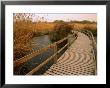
(66, 17)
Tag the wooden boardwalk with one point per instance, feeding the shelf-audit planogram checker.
(77, 60)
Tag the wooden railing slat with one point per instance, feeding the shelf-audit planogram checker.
(35, 53)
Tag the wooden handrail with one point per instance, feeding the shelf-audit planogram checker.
(47, 60)
(35, 53)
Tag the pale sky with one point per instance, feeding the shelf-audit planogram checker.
(66, 17)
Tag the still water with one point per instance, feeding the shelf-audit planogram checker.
(40, 42)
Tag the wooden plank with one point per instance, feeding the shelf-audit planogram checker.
(63, 47)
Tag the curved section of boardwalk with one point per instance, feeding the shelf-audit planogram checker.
(77, 60)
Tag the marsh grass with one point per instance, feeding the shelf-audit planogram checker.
(24, 29)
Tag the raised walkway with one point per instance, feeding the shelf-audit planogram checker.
(77, 60)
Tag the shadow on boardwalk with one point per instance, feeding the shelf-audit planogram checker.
(77, 60)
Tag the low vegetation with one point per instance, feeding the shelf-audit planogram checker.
(22, 39)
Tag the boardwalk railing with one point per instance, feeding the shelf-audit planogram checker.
(94, 50)
(54, 57)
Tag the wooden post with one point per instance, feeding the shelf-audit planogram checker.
(55, 51)
(68, 42)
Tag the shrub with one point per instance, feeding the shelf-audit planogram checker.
(61, 30)
(22, 39)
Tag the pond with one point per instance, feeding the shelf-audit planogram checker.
(40, 42)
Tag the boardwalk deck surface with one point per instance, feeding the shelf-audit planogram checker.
(77, 60)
